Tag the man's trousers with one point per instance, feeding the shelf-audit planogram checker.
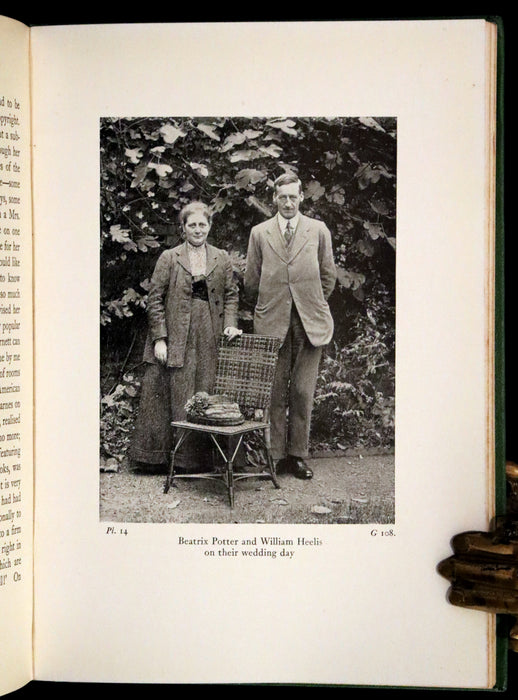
(293, 392)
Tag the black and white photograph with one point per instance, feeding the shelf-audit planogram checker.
(247, 342)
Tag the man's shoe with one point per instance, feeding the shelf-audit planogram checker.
(298, 467)
(282, 466)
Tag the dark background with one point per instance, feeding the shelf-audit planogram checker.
(41, 14)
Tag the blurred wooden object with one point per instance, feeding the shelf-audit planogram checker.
(483, 570)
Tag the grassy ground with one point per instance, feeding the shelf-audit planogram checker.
(344, 489)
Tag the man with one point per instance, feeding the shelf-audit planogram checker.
(290, 274)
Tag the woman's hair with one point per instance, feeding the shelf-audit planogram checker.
(195, 208)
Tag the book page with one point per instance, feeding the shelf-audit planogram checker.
(16, 375)
(123, 596)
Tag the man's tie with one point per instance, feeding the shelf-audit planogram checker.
(288, 233)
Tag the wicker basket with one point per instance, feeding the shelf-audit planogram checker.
(246, 368)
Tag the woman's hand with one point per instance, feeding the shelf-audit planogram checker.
(231, 332)
(161, 351)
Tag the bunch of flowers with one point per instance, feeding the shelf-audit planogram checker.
(197, 404)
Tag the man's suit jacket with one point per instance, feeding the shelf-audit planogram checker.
(303, 273)
(169, 300)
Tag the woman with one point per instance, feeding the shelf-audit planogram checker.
(192, 299)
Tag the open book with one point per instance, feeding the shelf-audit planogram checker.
(89, 593)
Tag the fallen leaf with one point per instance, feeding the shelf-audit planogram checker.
(320, 510)
(279, 501)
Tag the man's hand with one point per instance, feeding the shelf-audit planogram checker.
(231, 332)
(161, 351)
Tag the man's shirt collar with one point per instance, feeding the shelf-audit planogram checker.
(293, 221)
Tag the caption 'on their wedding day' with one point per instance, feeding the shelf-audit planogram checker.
(256, 547)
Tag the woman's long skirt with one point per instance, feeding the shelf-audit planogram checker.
(164, 393)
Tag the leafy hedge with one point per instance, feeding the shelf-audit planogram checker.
(151, 167)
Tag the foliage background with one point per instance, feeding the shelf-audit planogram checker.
(151, 167)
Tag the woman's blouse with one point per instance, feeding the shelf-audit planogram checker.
(197, 259)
